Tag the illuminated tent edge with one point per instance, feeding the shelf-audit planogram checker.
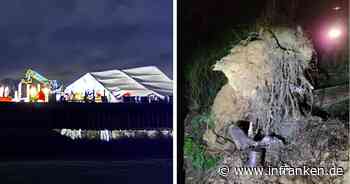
(139, 81)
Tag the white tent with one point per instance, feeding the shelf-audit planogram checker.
(141, 81)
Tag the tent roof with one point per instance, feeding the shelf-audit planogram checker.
(151, 78)
(139, 81)
(86, 82)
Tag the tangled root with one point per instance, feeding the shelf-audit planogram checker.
(289, 94)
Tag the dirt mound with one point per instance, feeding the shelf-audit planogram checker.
(315, 144)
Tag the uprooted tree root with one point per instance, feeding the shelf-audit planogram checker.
(288, 57)
(281, 104)
(266, 75)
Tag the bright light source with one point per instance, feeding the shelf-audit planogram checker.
(334, 33)
(16, 96)
(6, 91)
(1, 91)
(46, 90)
(33, 91)
(337, 8)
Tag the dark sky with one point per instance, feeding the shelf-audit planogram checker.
(203, 21)
(63, 39)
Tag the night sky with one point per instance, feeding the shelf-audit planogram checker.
(203, 21)
(63, 39)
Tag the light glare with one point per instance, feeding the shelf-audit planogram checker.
(334, 33)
